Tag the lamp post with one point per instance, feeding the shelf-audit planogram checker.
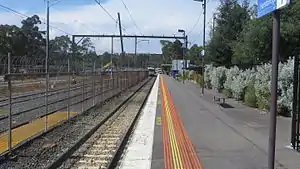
(135, 48)
(183, 53)
(204, 25)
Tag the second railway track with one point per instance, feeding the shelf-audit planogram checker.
(53, 147)
(103, 146)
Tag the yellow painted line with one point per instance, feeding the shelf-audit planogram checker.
(158, 121)
(174, 154)
(176, 141)
(177, 160)
(26, 131)
(176, 149)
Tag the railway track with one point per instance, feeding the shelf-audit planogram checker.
(24, 111)
(49, 148)
(101, 150)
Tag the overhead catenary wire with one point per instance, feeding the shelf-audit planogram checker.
(55, 2)
(26, 16)
(131, 17)
(98, 2)
(196, 23)
(115, 20)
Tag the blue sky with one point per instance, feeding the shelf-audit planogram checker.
(38, 5)
(155, 17)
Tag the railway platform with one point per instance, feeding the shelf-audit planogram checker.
(180, 129)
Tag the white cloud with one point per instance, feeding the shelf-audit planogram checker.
(155, 17)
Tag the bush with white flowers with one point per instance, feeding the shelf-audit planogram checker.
(236, 81)
(285, 84)
(218, 77)
(207, 75)
(240, 82)
(231, 74)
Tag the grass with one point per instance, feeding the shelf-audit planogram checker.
(26, 131)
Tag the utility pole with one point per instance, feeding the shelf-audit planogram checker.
(204, 24)
(9, 102)
(203, 51)
(183, 57)
(183, 52)
(46, 67)
(135, 48)
(121, 38)
(111, 56)
(186, 46)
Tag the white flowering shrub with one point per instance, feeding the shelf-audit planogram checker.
(240, 82)
(218, 77)
(236, 81)
(207, 72)
(262, 85)
(230, 74)
(285, 84)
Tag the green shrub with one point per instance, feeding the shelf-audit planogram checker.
(199, 81)
(250, 97)
(263, 98)
(227, 93)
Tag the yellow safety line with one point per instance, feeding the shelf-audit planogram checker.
(175, 140)
(174, 144)
(174, 155)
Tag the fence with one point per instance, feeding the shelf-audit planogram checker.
(38, 100)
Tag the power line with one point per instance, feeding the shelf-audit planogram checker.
(55, 2)
(115, 20)
(131, 17)
(25, 16)
(196, 23)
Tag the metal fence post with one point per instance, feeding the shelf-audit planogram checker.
(83, 78)
(102, 84)
(69, 90)
(113, 82)
(46, 98)
(94, 86)
(126, 79)
(120, 80)
(9, 102)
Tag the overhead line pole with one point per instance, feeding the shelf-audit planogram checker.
(122, 47)
(204, 25)
(46, 67)
(135, 48)
(111, 56)
(121, 38)
(203, 51)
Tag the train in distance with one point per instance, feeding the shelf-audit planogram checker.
(154, 71)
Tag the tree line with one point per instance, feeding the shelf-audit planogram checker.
(27, 44)
(241, 39)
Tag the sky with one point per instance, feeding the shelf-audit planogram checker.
(152, 17)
